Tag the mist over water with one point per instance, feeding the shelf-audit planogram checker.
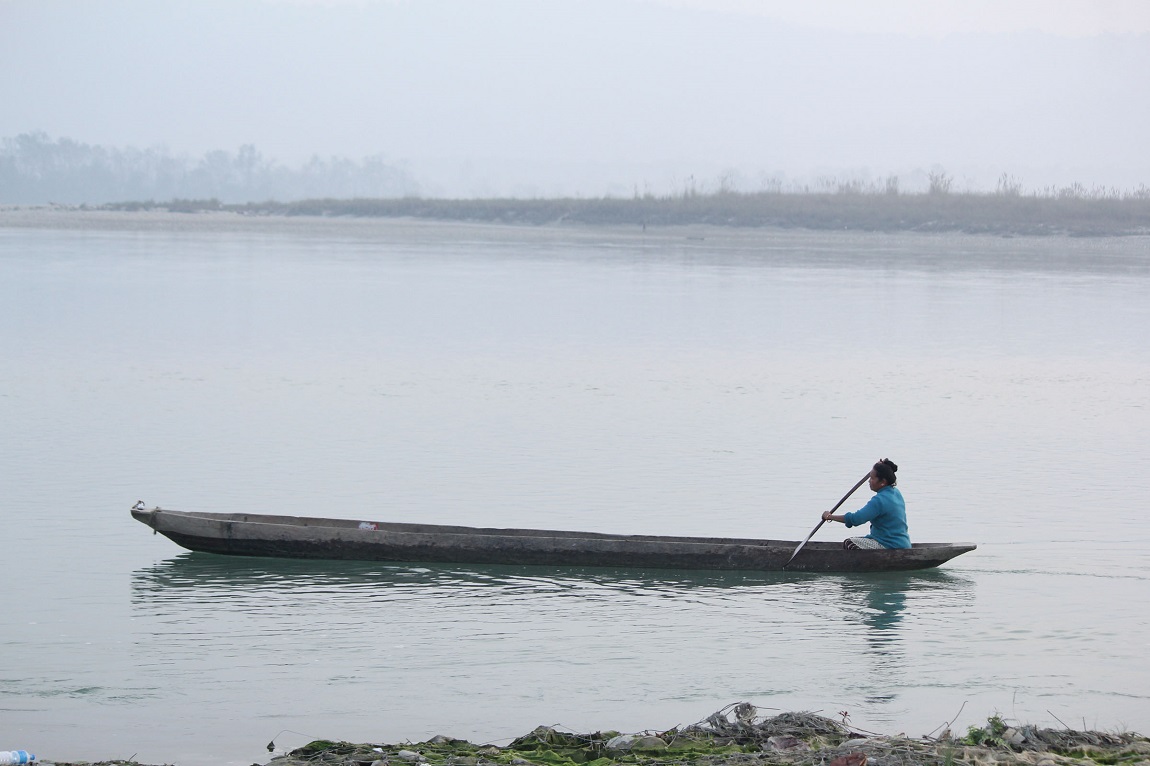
(678, 381)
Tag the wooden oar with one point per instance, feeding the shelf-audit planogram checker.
(824, 521)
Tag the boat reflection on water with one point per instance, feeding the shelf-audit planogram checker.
(876, 600)
(205, 575)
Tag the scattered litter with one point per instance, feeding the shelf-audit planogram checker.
(850, 759)
(738, 735)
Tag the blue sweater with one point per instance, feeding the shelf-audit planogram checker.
(886, 513)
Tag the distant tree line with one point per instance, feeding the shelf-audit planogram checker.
(35, 169)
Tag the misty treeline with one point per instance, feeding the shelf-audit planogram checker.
(35, 169)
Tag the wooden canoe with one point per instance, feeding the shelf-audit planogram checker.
(249, 534)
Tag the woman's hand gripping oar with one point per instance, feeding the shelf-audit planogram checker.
(824, 521)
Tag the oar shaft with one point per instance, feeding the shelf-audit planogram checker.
(824, 521)
(855, 487)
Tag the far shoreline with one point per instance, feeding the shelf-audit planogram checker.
(968, 213)
(1015, 214)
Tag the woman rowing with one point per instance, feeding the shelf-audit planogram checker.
(886, 513)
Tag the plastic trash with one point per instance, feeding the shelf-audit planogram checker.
(12, 757)
(412, 756)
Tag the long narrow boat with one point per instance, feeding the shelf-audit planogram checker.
(249, 534)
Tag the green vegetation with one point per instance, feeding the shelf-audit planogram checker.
(1087, 746)
(730, 735)
(738, 736)
(990, 735)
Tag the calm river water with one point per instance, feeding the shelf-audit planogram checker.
(686, 381)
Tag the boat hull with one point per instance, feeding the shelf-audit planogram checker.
(242, 534)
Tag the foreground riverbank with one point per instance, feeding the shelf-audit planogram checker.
(738, 736)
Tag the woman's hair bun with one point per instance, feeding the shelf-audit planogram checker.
(885, 470)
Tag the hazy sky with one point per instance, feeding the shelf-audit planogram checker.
(1073, 18)
(590, 96)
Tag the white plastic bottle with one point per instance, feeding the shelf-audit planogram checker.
(14, 757)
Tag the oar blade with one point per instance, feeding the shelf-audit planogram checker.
(800, 545)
